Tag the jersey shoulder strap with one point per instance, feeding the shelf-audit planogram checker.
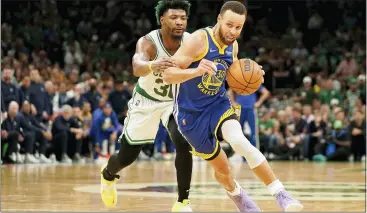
(156, 38)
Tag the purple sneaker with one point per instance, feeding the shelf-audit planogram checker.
(244, 202)
(287, 203)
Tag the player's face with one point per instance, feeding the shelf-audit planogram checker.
(230, 26)
(174, 22)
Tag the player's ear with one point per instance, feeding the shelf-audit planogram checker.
(219, 17)
(161, 20)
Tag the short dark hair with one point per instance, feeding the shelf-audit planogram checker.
(234, 6)
(164, 5)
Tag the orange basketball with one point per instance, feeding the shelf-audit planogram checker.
(245, 76)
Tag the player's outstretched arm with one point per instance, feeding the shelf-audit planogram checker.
(193, 46)
(143, 62)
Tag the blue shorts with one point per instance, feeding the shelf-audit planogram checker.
(201, 129)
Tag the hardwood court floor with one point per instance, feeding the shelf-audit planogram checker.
(150, 186)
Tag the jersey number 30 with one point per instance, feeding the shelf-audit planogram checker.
(163, 90)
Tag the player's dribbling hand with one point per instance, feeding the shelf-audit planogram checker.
(162, 64)
(206, 66)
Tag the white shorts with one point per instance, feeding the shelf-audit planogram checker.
(143, 117)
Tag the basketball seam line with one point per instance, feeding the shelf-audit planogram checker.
(243, 79)
(252, 73)
(235, 78)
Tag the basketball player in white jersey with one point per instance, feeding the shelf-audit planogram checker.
(152, 102)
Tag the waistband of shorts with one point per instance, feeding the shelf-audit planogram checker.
(143, 93)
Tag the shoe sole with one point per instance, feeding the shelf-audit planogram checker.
(294, 207)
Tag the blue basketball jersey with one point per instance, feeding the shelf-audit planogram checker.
(197, 94)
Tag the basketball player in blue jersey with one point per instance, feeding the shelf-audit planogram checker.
(204, 113)
(249, 104)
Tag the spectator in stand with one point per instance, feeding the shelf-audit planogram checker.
(358, 130)
(328, 93)
(317, 130)
(295, 134)
(9, 91)
(353, 93)
(16, 130)
(66, 132)
(24, 87)
(306, 94)
(347, 67)
(119, 99)
(77, 100)
(106, 129)
(41, 134)
(307, 114)
(76, 151)
(92, 95)
(266, 127)
(337, 146)
(50, 89)
(4, 113)
(38, 96)
(86, 118)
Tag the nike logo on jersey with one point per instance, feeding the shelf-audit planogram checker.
(212, 50)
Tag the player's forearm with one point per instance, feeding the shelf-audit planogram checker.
(174, 75)
(141, 68)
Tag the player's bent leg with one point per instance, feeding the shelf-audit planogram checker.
(232, 133)
(126, 156)
(223, 175)
(183, 164)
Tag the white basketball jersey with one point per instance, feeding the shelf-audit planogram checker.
(152, 86)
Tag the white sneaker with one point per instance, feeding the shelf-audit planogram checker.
(13, 157)
(29, 158)
(20, 158)
(65, 159)
(43, 159)
(53, 158)
(78, 159)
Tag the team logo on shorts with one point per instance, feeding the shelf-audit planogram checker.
(210, 84)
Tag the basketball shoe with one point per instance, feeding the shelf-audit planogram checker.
(244, 202)
(287, 203)
(185, 206)
(108, 190)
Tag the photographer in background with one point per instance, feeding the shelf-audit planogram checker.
(337, 147)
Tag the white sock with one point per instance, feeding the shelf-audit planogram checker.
(275, 187)
(236, 191)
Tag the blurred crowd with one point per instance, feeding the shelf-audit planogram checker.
(66, 77)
